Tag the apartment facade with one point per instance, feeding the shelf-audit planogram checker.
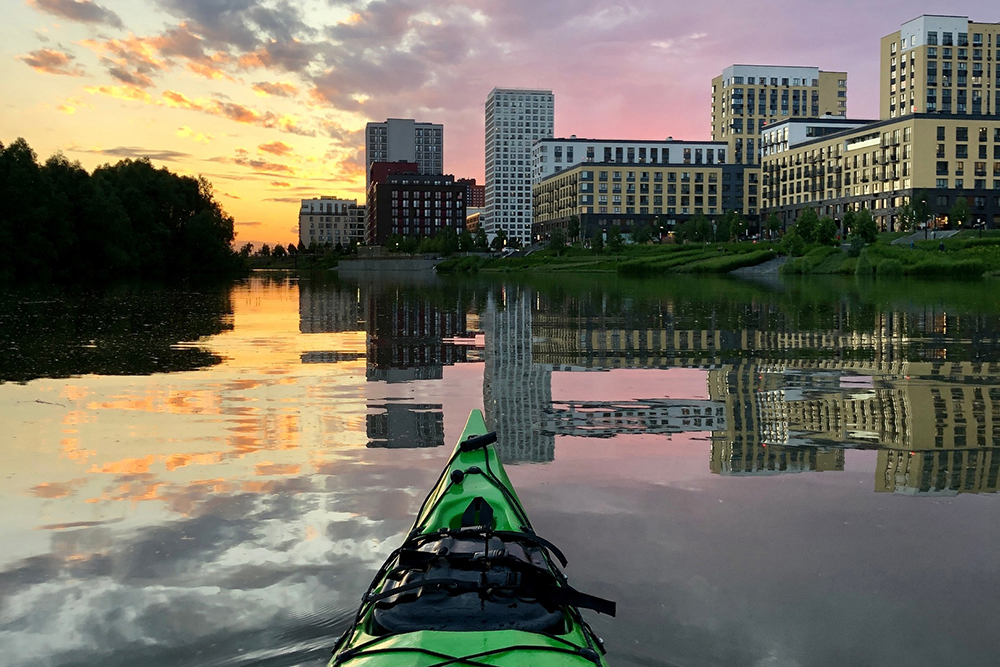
(605, 195)
(415, 205)
(746, 98)
(940, 64)
(515, 119)
(406, 140)
(879, 166)
(550, 156)
(329, 220)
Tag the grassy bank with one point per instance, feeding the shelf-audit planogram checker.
(964, 256)
(638, 260)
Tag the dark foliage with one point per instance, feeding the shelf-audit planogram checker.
(60, 224)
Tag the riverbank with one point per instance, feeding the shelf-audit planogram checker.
(965, 255)
(635, 260)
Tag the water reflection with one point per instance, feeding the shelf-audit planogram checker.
(131, 330)
(244, 500)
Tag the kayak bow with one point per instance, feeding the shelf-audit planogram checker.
(472, 584)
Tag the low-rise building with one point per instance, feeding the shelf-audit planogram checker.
(330, 220)
(879, 166)
(603, 195)
(415, 205)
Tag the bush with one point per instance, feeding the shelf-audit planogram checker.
(857, 245)
(864, 268)
(889, 268)
(793, 245)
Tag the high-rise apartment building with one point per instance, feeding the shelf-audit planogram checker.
(515, 119)
(405, 140)
(745, 98)
(940, 64)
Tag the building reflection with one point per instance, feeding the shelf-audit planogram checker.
(406, 426)
(791, 399)
(516, 390)
(605, 419)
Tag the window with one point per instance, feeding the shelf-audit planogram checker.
(942, 168)
(961, 150)
(961, 134)
(932, 38)
(942, 184)
(940, 133)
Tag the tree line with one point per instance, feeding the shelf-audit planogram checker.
(60, 223)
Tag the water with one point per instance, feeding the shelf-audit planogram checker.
(759, 474)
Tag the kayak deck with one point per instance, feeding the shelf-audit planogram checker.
(472, 584)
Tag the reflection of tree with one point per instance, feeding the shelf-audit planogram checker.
(136, 330)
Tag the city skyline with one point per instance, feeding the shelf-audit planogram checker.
(270, 101)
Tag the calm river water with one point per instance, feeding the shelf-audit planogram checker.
(797, 474)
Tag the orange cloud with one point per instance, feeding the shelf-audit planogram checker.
(57, 489)
(280, 89)
(130, 93)
(51, 61)
(278, 148)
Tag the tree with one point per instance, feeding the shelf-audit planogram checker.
(806, 225)
(265, 251)
(907, 216)
(847, 224)
(557, 240)
(865, 227)
(735, 226)
(293, 249)
(641, 234)
(466, 242)
(826, 231)
(702, 228)
(499, 241)
(959, 213)
(773, 225)
(246, 250)
(279, 251)
(573, 228)
(921, 207)
(481, 240)
(597, 242)
(615, 240)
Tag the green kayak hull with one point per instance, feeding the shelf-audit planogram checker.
(470, 475)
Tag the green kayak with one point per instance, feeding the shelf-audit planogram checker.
(472, 584)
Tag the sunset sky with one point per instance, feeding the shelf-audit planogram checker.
(268, 99)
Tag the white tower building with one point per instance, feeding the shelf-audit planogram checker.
(404, 139)
(515, 119)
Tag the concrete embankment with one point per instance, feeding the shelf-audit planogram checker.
(394, 265)
(766, 269)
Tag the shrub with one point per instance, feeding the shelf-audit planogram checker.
(864, 268)
(793, 245)
(857, 245)
(889, 268)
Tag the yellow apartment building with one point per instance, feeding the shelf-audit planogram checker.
(834, 166)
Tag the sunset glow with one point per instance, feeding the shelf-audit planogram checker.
(268, 100)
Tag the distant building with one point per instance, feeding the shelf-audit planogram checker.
(415, 205)
(879, 166)
(746, 98)
(940, 64)
(515, 119)
(550, 156)
(605, 195)
(476, 197)
(473, 219)
(329, 220)
(404, 139)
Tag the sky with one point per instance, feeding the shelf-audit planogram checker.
(268, 99)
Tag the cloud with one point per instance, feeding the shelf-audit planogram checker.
(249, 223)
(135, 153)
(279, 89)
(280, 184)
(51, 61)
(130, 93)
(187, 133)
(236, 112)
(81, 11)
(230, 195)
(278, 148)
(284, 200)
